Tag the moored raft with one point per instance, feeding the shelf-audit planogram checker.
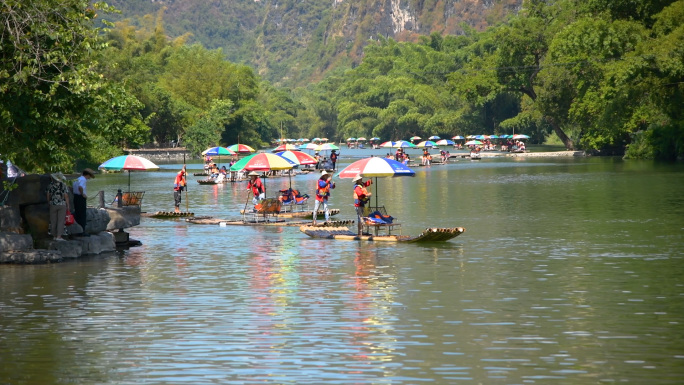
(434, 234)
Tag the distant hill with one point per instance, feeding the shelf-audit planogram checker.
(293, 42)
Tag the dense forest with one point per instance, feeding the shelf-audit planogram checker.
(600, 75)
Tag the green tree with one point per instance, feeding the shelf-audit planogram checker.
(52, 94)
(207, 130)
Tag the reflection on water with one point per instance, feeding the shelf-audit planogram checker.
(570, 271)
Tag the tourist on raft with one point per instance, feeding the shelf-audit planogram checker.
(323, 187)
(361, 197)
(256, 187)
(178, 186)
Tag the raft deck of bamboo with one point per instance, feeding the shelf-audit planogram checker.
(434, 234)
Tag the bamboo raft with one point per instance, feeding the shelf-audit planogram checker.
(280, 222)
(212, 181)
(169, 215)
(302, 214)
(428, 235)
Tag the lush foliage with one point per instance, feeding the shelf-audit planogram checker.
(55, 106)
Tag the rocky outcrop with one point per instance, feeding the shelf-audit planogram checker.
(24, 225)
(123, 217)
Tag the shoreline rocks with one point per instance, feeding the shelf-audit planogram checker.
(24, 223)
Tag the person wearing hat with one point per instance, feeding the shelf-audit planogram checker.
(256, 187)
(361, 197)
(322, 194)
(178, 186)
(58, 202)
(80, 196)
(333, 158)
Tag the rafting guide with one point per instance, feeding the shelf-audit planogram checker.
(361, 197)
(323, 187)
(178, 186)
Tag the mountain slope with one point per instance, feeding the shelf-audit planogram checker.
(292, 42)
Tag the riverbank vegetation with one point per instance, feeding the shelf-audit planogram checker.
(603, 76)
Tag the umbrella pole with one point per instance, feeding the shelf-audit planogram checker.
(187, 203)
(129, 182)
(376, 193)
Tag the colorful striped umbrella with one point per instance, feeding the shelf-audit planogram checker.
(398, 144)
(129, 163)
(426, 143)
(298, 157)
(241, 148)
(375, 167)
(473, 143)
(434, 137)
(263, 162)
(213, 151)
(285, 147)
(445, 142)
(326, 146)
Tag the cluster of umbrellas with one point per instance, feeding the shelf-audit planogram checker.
(516, 136)
(373, 167)
(302, 140)
(230, 150)
(435, 141)
(308, 146)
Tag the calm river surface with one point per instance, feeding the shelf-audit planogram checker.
(571, 271)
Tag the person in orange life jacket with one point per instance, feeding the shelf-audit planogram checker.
(178, 187)
(323, 187)
(361, 197)
(333, 158)
(256, 187)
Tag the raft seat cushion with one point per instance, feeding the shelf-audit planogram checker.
(384, 218)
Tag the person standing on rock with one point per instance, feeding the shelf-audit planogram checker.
(58, 201)
(80, 197)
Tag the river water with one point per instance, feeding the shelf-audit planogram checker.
(570, 272)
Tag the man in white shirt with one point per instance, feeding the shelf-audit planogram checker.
(80, 196)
